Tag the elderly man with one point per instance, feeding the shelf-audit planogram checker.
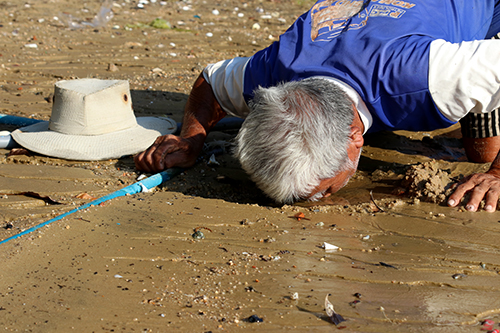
(345, 68)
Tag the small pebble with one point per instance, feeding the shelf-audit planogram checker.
(198, 235)
(255, 319)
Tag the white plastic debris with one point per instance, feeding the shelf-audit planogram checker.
(294, 296)
(157, 70)
(144, 189)
(330, 247)
(141, 177)
(367, 237)
(104, 15)
(118, 276)
(31, 46)
(212, 160)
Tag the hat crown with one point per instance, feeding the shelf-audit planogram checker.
(91, 107)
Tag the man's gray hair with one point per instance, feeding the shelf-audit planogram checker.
(296, 134)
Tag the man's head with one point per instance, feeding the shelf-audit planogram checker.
(296, 139)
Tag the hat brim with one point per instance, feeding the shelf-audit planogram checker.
(40, 139)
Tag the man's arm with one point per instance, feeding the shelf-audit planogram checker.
(481, 150)
(481, 185)
(201, 113)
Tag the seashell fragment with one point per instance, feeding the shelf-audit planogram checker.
(330, 312)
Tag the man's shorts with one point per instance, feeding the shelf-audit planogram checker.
(481, 125)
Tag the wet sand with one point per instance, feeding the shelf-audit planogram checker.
(132, 264)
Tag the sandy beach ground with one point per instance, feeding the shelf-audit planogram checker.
(207, 251)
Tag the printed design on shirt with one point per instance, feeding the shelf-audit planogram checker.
(329, 18)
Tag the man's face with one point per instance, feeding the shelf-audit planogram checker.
(332, 185)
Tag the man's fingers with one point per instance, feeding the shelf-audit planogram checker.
(160, 154)
(146, 161)
(480, 186)
(140, 162)
(477, 195)
(459, 192)
(491, 201)
(165, 152)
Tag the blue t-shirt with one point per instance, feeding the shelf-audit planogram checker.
(380, 48)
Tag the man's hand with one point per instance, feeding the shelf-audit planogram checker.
(482, 185)
(166, 152)
(201, 113)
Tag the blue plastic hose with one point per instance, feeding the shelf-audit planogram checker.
(7, 142)
(147, 184)
(17, 121)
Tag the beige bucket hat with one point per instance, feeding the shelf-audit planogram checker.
(92, 119)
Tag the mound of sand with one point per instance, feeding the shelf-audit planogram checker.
(426, 181)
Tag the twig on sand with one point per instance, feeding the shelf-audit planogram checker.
(373, 200)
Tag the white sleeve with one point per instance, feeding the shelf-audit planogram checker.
(465, 77)
(226, 79)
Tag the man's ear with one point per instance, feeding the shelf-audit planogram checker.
(356, 136)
